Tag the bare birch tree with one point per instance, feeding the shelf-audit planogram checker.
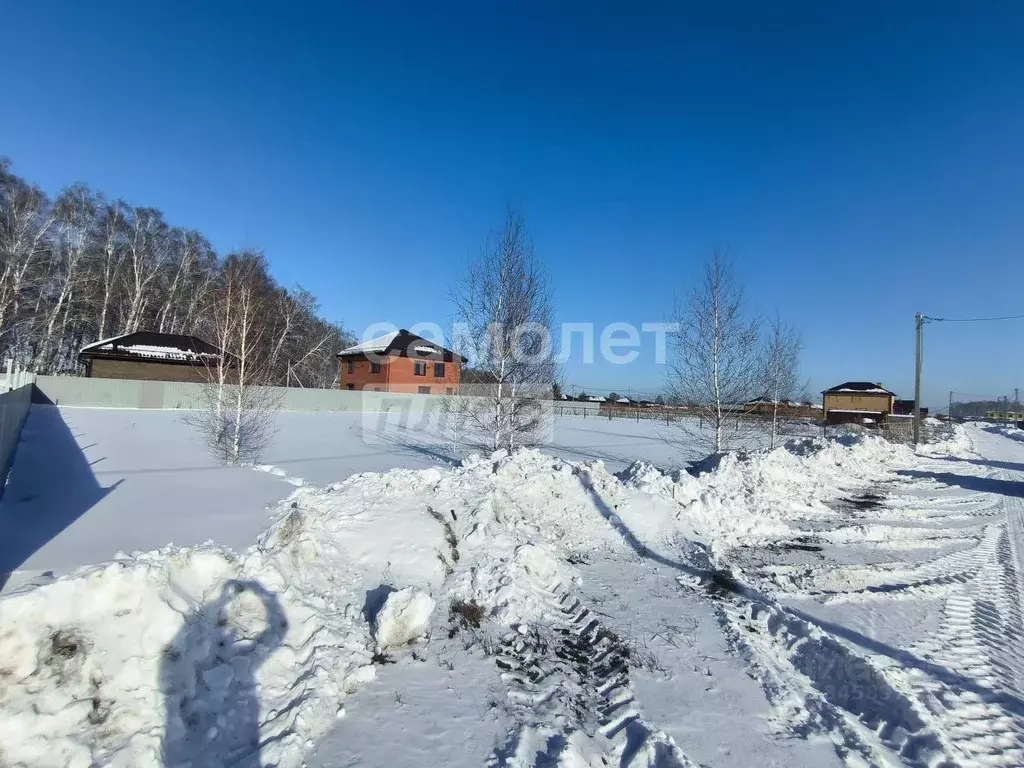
(64, 284)
(239, 409)
(187, 283)
(25, 220)
(715, 364)
(780, 370)
(147, 243)
(107, 271)
(504, 315)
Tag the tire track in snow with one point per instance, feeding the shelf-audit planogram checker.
(937, 576)
(840, 692)
(982, 639)
(970, 678)
(574, 673)
(959, 705)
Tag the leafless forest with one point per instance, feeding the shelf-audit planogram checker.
(83, 267)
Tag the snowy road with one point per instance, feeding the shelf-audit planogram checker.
(921, 578)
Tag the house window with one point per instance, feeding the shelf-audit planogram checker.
(420, 368)
(423, 390)
(350, 387)
(374, 367)
(439, 370)
(351, 366)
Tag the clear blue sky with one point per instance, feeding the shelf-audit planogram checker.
(861, 160)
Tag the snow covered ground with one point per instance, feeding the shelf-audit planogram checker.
(91, 482)
(845, 603)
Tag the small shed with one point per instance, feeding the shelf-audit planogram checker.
(857, 402)
(149, 356)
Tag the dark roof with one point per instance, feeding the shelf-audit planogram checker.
(474, 376)
(402, 343)
(867, 387)
(154, 347)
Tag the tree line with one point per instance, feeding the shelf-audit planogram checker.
(82, 267)
(976, 409)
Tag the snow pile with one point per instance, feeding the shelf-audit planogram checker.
(158, 660)
(403, 619)
(200, 654)
(748, 496)
(206, 657)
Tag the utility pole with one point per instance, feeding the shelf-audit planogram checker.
(919, 322)
(949, 413)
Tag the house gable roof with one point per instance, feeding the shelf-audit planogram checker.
(153, 347)
(859, 387)
(401, 343)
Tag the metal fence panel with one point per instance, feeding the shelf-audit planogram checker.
(14, 406)
(129, 393)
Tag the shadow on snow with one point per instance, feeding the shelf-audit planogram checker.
(970, 482)
(51, 485)
(208, 678)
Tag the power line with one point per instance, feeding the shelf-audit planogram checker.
(972, 319)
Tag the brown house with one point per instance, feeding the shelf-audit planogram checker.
(857, 402)
(401, 362)
(151, 357)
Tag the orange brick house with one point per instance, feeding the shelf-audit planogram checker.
(400, 362)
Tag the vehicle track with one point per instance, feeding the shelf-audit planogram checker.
(841, 691)
(955, 698)
(574, 673)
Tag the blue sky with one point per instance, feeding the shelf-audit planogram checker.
(861, 161)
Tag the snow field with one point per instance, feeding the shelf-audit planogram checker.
(137, 480)
(201, 656)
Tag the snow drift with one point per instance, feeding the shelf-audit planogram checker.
(205, 657)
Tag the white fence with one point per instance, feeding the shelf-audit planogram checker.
(14, 378)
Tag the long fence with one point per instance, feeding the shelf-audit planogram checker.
(14, 405)
(133, 393)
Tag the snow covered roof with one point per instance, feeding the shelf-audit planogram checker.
(402, 343)
(593, 399)
(148, 345)
(860, 387)
(378, 344)
(623, 400)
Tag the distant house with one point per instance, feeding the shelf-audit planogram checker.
(401, 362)
(857, 402)
(906, 408)
(152, 357)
